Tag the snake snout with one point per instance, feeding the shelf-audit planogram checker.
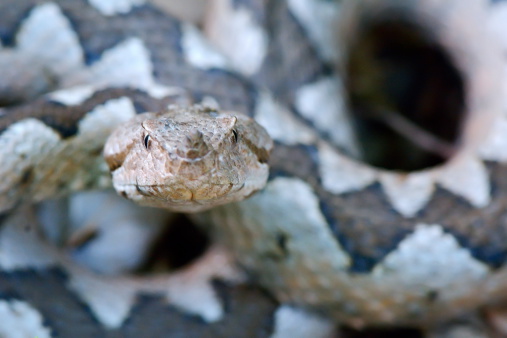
(193, 146)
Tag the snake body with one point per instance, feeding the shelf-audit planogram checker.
(365, 246)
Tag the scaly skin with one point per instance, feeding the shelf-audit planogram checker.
(188, 159)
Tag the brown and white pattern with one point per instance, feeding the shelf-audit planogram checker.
(385, 224)
(363, 245)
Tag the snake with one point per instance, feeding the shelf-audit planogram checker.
(333, 233)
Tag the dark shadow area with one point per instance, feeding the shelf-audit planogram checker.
(381, 333)
(179, 245)
(406, 97)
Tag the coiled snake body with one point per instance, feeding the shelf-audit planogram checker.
(365, 246)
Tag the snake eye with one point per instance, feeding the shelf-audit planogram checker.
(147, 141)
(235, 135)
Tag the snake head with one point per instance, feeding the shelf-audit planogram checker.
(188, 159)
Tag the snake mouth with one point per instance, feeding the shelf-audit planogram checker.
(405, 91)
(181, 198)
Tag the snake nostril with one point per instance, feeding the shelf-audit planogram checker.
(193, 146)
(406, 95)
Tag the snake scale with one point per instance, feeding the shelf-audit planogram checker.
(363, 244)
